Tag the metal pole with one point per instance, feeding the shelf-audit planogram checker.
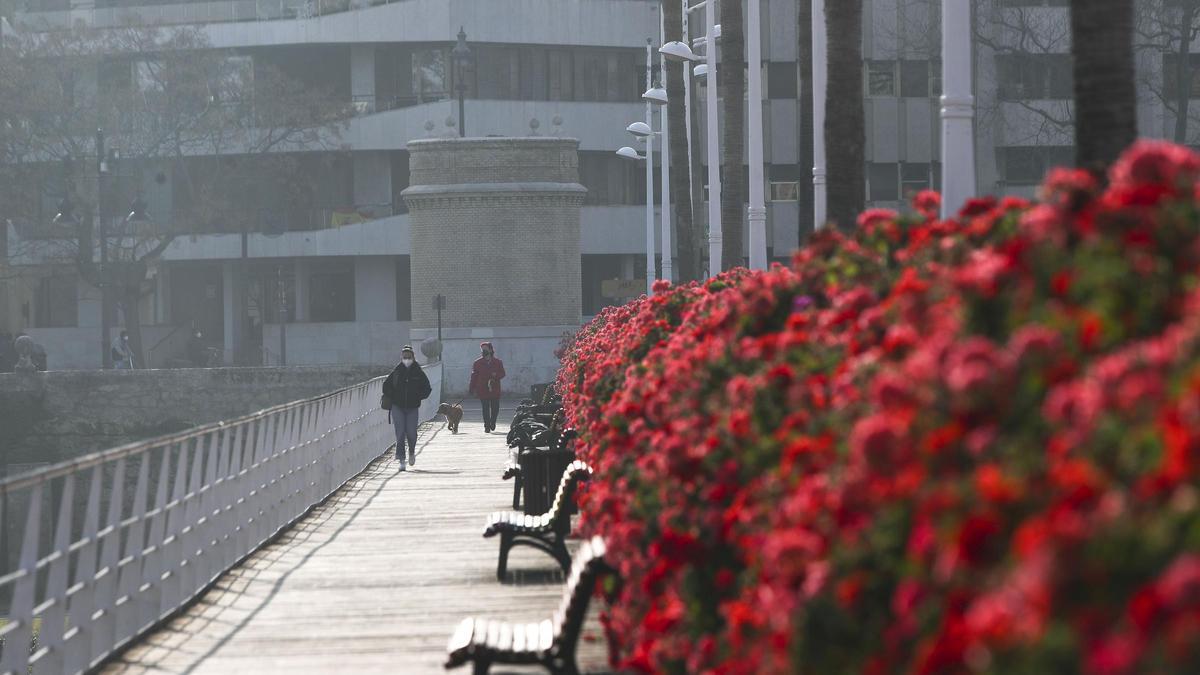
(668, 267)
(105, 327)
(958, 107)
(820, 79)
(687, 99)
(757, 209)
(462, 116)
(282, 316)
(649, 178)
(713, 152)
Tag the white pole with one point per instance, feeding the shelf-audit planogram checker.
(687, 101)
(958, 107)
(820, 77)
(757, 210)
(714, 153)
(668, 267)
(649, 181)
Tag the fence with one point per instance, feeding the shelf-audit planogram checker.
(99, 565)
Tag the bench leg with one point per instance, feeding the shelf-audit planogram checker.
(516, 492)
(481, 666)
(563, 664)
(506, 539)
(560, 553)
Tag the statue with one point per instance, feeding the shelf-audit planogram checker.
(24, 346)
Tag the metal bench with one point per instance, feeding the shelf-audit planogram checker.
(550, 643)
(547, 532)
(512, 468)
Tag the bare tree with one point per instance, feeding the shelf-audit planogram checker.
(1031, 49)
(1165, 31)
(845, 135)
(732, 80)
(1105, 92)
(165, 97)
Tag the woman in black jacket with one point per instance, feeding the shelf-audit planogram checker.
(407, 386)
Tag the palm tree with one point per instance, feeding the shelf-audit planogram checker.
(731, 76)
(681, 197)
(845, 139)
(1105, 93)
(805, 56)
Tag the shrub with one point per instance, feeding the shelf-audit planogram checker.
(930, 446)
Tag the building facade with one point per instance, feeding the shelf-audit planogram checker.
(323, 274)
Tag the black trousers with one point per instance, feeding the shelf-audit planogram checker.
(491, 410)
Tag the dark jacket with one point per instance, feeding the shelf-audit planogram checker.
(485, 378)
(407, 387)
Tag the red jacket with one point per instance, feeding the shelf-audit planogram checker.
(485, 378)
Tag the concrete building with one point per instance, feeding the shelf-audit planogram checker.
(328, 279)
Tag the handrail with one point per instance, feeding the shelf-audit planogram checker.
(117, 541)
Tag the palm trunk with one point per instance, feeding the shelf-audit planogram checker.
(681, 198)
(805, 56)
(845, 138)
(1105, 94)
(1183, 72)
(732, 78)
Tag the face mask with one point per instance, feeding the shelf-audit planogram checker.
(406, 361)
(487, 355)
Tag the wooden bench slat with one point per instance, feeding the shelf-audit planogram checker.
(518, 637)
(505, 643)
(479, 636)
(546, 633)
(462, 635)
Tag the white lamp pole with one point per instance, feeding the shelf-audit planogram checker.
(714, 154)
(820, 77)
(649, 178)
(668, 267)
(757, 210)
(958, 107)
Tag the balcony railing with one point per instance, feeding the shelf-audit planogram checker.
(190, 12)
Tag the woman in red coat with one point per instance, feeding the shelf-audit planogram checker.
(486, 374)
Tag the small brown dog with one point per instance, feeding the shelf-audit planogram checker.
(453, 413)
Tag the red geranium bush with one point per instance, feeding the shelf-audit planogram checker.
(932, 446)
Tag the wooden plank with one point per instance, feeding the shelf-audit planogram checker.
(377, 579)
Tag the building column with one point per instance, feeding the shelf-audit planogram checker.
(820, 77)
(229, 308)
(300, 270)
(958, 108)
(362, 77)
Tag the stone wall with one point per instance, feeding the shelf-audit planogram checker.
(57, 415)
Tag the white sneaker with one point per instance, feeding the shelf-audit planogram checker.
(401, 467)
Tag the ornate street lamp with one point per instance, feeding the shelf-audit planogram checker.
(462, 59)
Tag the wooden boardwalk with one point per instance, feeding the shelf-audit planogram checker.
(375, 579)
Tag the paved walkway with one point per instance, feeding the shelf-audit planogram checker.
(374, 580)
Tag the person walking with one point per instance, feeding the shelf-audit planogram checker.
(406, 387)
(486, 374)
(122, 353)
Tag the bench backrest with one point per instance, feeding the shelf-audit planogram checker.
(559, 514)
(588, 566)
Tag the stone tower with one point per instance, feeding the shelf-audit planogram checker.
(495, 230)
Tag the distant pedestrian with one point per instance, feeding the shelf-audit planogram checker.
(406, 386)
(486, 374)
(121, 352)
(196, 351)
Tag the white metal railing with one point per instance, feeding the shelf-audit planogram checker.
(99, 564)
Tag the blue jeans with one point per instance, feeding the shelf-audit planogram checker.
(405, 421)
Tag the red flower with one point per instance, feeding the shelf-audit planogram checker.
(927, 203)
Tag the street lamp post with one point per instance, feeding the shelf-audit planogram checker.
(668, 265)
(757, 209)
(462, 55)
(649, 176)
(105, 328)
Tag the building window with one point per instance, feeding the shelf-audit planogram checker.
(914, 79)
(881, 78)
(331, 292)
(559, 69)
(1026, 165)
(883, 182)
(914, 177)
(403, 288)
(784, 182)
(429, 75)
(1034, 76)
(1192, 74)
(781, 79)
(57, 303)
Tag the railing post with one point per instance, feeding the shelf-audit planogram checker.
(106, 577)
(49, 658)
(20, 610)
(130, 576)
(78, 638)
